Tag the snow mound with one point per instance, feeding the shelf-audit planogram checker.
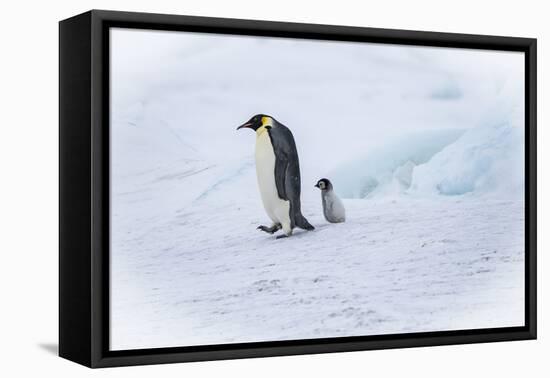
(485, 160)
(389, 169)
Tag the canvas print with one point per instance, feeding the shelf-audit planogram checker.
(267, 189)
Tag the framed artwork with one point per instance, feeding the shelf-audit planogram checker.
(236, 188)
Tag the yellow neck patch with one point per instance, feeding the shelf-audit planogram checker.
(266, 121)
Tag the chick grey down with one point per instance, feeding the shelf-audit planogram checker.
(333, 208)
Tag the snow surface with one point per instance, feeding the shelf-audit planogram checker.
(204, 275)
(424, 145)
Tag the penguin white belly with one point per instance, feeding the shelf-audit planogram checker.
(277, 209)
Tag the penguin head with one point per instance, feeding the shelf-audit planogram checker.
(259, 121)
(324, 184)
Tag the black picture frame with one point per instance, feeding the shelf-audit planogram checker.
(84, 188)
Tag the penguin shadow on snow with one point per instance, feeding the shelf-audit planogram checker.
(299, 234)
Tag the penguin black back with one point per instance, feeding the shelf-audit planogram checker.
(287, 171)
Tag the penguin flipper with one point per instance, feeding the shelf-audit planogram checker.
(281, 167)
(287, 166)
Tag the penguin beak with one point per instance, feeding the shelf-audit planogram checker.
(316, 185)
(244, 126)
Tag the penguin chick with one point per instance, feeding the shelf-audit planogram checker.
(333, 208)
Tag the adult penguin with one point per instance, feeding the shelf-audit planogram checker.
(278, 172)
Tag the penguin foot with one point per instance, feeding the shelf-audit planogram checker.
(286, 233)
(270, 230)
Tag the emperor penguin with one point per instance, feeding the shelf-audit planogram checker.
(278, 173)
(333, 208)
